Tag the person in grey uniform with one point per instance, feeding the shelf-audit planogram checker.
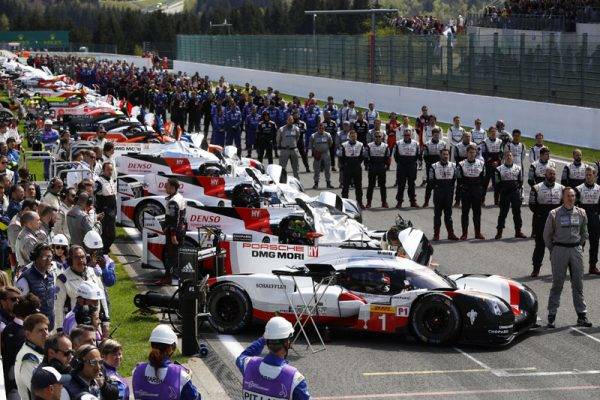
(321, 143)
(286, 140)
(565, 234)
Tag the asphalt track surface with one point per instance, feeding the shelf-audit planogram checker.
(558, 364)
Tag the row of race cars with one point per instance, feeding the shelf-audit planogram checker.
(260, 220)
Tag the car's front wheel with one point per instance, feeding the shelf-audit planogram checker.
(435, 319)
(151, 207)
(230, 308)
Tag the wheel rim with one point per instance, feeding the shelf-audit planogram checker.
(436, 320)
(228, 309)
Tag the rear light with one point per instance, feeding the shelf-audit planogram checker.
(313, 235)
(347, 296)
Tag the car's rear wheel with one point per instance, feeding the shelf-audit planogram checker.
(151, 207)
(435, 319)
(230, 308)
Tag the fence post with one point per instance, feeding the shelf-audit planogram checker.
(582, 58)
(494, 59)
(550, 63)
(521, 58)
(449, 61)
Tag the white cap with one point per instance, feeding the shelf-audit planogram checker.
(60, 240)
(163, 334)
(48, 122)
(278, 328)
(89, 291)
(92, 240)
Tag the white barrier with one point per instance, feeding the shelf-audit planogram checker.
(560, 123)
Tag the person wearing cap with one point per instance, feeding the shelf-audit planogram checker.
(31, 353)
(87, 307)
(60, 249)
(47, 384)
(160, 377)
(103, 265)
(271, 376)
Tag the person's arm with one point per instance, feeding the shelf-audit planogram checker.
(564, 180)
(301, 390)
(29, 364)
(61, 298)
(23, 285)
(533, 199)
(549, 230)
(109, 277)
(584, 228)
(531, 176)
(255, 349)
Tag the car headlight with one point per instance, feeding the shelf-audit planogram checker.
(498, 307)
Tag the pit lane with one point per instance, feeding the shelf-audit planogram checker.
(559, 364)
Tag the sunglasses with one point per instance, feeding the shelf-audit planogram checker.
(63, 248)
(13, 299)
(67, 353)
(94, 363)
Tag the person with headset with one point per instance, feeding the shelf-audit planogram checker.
(31, 353)
(78, 221)
(52, 195)
(86, 310)
(160, 377)
(112, 356)
(103, 265)
(271, 376)
(69, 281)
(85, 373)
(40, 279)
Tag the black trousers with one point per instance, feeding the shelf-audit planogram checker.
(352, 175)
(406, 174)
(302, 152)
(379, 178)
(470, 197)
(490, 174)
(263, 149)
(194, 122)
(442, 203)
(539, 221)
(511, 200)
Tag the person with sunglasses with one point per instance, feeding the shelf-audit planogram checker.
(58, 353)
(8, 297)
(85, 373)
(60, 249)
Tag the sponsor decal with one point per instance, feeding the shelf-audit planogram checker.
(277, 254)
(472, 316)
(214, 181)
(376, 308)
(255, 213)
(498, 331)
(242, 237)
(313, 251)
(402, 311)
(276, 286)
(138, 166)
(163, 184)
(274, 247)
(211, 219)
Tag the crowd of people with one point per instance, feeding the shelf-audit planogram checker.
(427, 25)
(57, 243)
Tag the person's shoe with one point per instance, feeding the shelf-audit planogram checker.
(308, 170)
(425, 205)
(384, 205)
(361, 205)
(164, 281)
(583, 321)
(368, 205)
(329, 185)
(423, 183)
(436, 235)
(456, 204)
(399, 205)
(478, 235)
(594, 270)
(551, 319)
(333, 169)
(520, 235)
(414, 204)
(536, 271)
(451, 235)
(465, 232)
(315, 186)
(498, 234)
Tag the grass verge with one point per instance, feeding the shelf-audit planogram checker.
(134, 329)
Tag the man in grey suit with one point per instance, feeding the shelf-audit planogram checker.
(78, 219)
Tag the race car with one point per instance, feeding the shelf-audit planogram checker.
(373, 291)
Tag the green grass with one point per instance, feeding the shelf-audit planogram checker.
(121, 234)
(134, 329)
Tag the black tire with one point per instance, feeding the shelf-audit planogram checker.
(230, 308)
(435, 319)
(151, 207)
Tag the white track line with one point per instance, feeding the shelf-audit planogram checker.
(595, 339)
(231, 344)
(476, 361)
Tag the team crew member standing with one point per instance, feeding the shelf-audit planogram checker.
(509, 182)
(377, 158)
(460, 154)
(266, 131)
(517, 149)
(287, 142)
(491, 151)
(588, 198)
(331, 128)
(534, 151)
(470, 174)
(565, 233)
(175, 227)
(160, 378)
(253, 119)
(301, 125)
(442, 176)
(478, 133)
(271, 376)
(543, 198)
(321, 143)
(351, 157)
(455, 132)
(573, 174)
(537, 169)
(406, 154)
(106, 204)
(431, 155)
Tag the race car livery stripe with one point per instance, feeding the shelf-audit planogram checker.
(129, 211)
(255, 219)
(515, 298)
(156, 249)
(225, 246)
(213, 186)
(179, 165)
(322, 319)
